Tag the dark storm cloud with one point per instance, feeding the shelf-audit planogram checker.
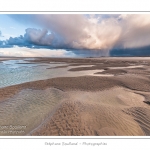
(89, 32)
(32, 37)
(103, 32)
(131, 52)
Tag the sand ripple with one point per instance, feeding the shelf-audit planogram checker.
(28, 108)
(95, 113)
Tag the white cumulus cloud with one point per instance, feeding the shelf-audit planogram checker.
(28, 52)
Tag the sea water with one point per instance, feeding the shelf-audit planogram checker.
(14, 72)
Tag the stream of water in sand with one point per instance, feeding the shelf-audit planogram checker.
(14, 72)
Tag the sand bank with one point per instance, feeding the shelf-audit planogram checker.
(86, 105)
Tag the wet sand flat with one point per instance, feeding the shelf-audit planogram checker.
(83, 104)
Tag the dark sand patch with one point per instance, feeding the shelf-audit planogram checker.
(147, 102)
(140, 69)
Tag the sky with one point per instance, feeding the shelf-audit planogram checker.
(74, 35)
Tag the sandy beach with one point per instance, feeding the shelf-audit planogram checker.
(112, 101)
